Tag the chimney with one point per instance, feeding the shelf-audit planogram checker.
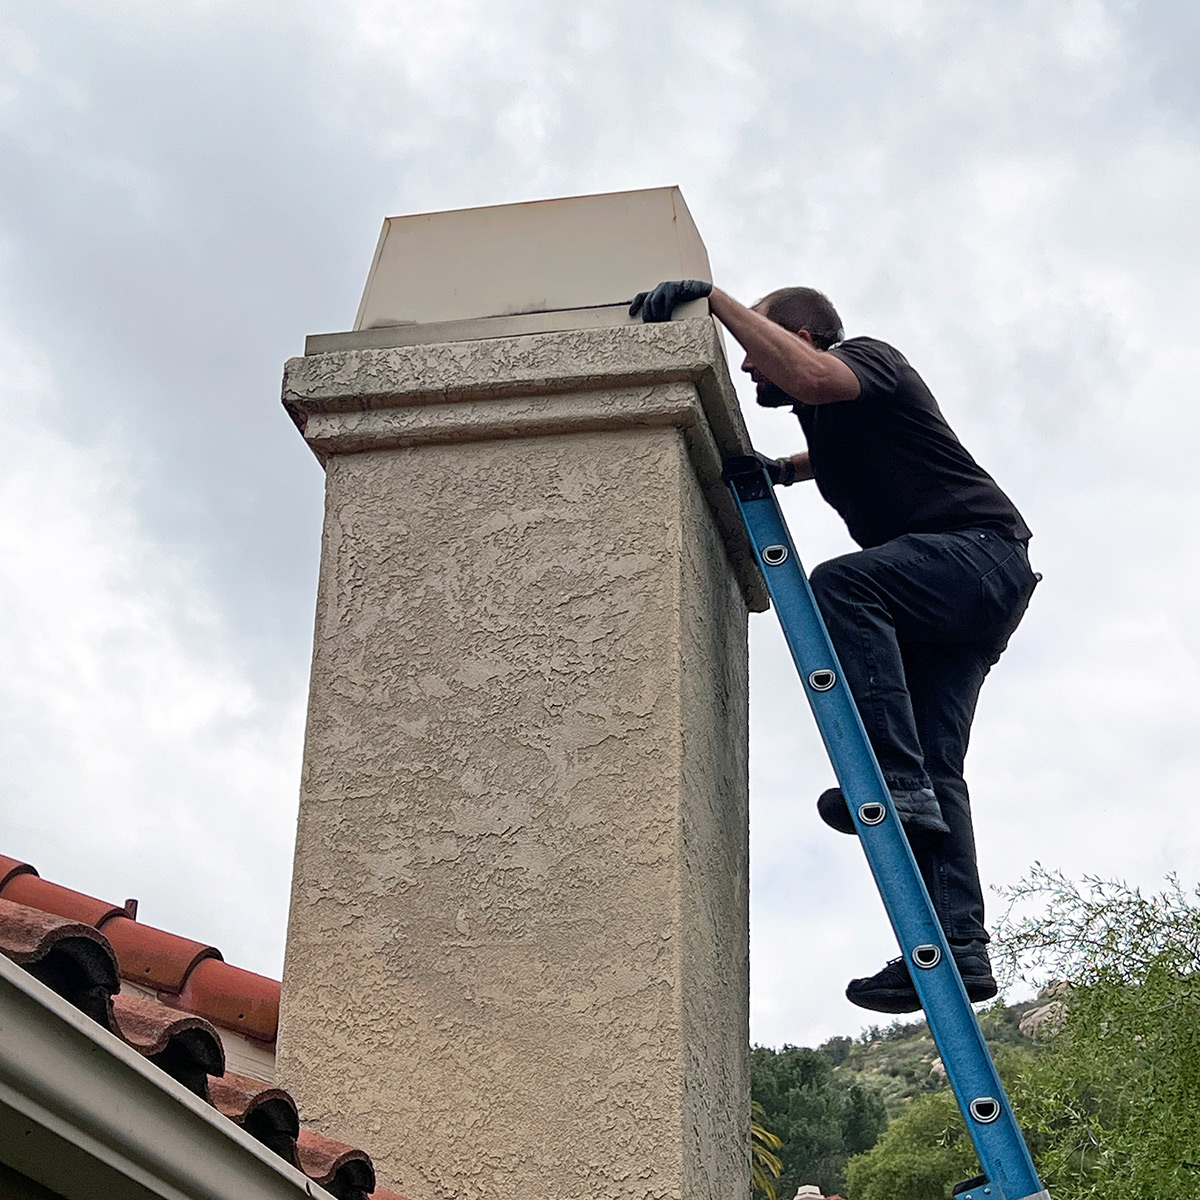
(517, 948)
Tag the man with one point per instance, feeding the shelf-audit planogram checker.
(923, 611)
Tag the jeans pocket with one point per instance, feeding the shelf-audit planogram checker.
(1005, 591)
(996, 585)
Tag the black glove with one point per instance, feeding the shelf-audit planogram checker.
(659, 304)
(779, 470)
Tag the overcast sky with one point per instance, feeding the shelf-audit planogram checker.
(1006, 191)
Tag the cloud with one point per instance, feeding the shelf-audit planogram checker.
(1004, 191)
(137, 752)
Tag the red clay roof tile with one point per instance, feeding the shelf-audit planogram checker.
(152, 957)
(231, 997)
(341, 1170)
(52, 927)
(34, 892)
(236, 1095)
(12, 866)
(77, 962)
(149, 1026)
(27, 934)
(71, 958)
(187, 1048)
(266, 1113)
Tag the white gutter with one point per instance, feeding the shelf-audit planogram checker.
(84, 1115)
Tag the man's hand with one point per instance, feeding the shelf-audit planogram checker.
(659, 304)
(780, 471)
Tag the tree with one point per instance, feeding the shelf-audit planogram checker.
(1113, 1105)
(1110, 1105)
(821, 1119)
(765, 1165)
(837, 1049)
(922, 1155)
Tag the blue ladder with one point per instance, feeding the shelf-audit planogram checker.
(1009, 1173)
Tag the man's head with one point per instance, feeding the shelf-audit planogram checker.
(803, 311)
(803, 308)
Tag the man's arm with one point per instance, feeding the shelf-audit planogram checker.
(796, 468)
(783, 472)
(789, 360)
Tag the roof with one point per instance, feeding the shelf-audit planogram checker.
(83, 1114)
(83, 948)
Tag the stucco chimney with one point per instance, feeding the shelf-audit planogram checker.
(517, 950)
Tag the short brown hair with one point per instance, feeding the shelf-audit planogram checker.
(797, 308)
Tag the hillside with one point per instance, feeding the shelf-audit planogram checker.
(900, 1060)
(834, 1102)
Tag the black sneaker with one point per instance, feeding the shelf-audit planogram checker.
(969, 1185)
(918, 810)
(891, 990)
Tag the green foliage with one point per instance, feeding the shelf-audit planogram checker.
(1110, 1105)
(898, 1060)
(1095, 931)
(837, 1049)
(821, 1118)
(765, 1165)
(895, 1061)
(923, 1153)
(1113, 1105)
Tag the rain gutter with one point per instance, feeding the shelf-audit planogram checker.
(83, 1114)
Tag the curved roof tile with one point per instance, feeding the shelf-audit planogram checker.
(75, 959)
(187, 1048)
(29, 889)
(12, 866)
(188, 975)
(149, 1027)
(152, 957)
(232, 997)
(28, 934)
(72, 959)
(341, 1170)
(265, 1113)
(237, 1096)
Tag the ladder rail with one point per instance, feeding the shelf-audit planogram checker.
(989, 1118)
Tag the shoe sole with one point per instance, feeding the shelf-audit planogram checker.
(904, 1000)
(835, 812)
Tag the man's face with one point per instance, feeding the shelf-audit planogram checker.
(747, 365)
(761, 382)
(768, 394)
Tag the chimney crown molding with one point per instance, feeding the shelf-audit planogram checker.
(537, 364)
(535, 385)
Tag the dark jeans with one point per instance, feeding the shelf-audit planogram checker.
(917, 624)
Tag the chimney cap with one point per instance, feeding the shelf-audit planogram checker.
(540, 256)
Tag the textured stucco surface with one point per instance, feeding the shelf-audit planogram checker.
(404, 395)
(517, 950)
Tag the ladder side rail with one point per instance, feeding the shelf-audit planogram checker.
(1002, 1151)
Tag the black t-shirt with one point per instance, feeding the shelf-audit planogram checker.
(889, 463)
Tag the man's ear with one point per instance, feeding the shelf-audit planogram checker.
(805, 336)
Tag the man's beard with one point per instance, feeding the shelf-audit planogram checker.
(770, 395)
